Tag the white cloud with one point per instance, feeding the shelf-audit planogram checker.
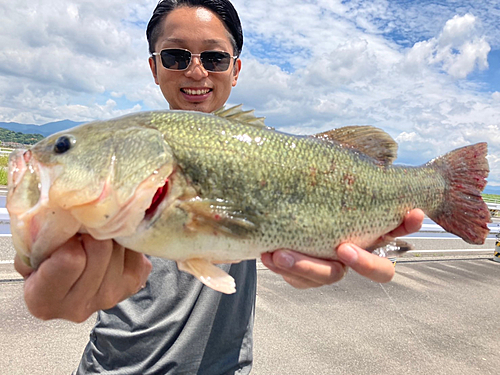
(355, 77)
(64, 57)
(494, 162)
(407, 137)
(413, 21)
(307, 66)
(459, 50)
(349, 63)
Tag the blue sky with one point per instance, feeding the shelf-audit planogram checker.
(489, 79)
(427, 72)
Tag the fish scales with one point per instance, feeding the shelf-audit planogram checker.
(207, 188)
(313, 194)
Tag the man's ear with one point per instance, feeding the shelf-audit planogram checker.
(152, 66)
(236, 71)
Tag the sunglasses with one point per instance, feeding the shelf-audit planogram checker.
(179, 59)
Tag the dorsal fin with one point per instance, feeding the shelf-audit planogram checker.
(369, 140)
(236, 113)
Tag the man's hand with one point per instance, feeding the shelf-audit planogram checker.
(81, 277)
(303, 272)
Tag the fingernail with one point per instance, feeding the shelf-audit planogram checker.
(348, 255)
(284, 260)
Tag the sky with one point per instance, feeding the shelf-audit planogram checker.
(427, 72)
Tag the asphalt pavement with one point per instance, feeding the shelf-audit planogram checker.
(437, 316)
(440, 315)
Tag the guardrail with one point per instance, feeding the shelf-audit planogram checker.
(426, 227)
(6, 150)
(489, 199)
(4, 215)
(434, 228)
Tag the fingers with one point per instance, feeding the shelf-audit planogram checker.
(60, 273)
(102, 258)
(83, 276)
(302, 271)
(22, 267)
(136, 270)
(131, 268)
(372, 266)
(46, 288)
(412, 223)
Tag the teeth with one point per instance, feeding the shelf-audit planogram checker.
(196, 92)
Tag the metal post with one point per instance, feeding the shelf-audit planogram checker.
(496, 255)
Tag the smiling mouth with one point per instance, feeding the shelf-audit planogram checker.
(199, 92)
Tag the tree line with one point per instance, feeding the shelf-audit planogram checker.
(9, 136)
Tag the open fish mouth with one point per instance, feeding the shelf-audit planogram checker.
(103, 211)
(39, 225)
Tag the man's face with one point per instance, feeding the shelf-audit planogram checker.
(197, 30)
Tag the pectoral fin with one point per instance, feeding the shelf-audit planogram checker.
(219, 217)
(208, 274)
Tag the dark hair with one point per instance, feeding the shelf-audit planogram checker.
(223, 8)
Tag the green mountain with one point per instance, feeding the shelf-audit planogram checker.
(45, 130)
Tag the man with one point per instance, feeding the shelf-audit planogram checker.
(174, 324)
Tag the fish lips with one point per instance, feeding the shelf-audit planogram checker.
(37, 227)
(17, 167)
(23, 183)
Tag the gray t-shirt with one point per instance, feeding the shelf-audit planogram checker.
(176, 325)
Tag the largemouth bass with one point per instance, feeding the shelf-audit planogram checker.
(208, 188)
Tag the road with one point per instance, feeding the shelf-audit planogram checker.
(440, 315)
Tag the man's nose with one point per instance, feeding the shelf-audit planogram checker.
(195, 69)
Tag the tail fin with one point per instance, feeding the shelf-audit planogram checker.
(463, 211)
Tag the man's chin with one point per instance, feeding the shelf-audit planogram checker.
(203, 106)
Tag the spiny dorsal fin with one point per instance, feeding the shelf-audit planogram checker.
(236, 113)
(370, 140)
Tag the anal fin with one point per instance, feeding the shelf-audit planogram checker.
(208, 274)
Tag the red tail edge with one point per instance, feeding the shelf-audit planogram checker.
(464, 212)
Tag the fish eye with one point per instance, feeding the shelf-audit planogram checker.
(63, 144)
